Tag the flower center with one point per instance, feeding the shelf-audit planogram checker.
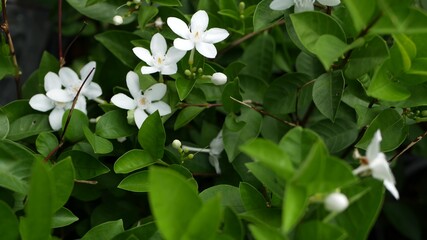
(143, 102)
(158, 60)
(60, 104)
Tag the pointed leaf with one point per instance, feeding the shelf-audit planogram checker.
(63, 217)
(133, 160)
(152, 135)
(136, 182)
(105, 230)
(327, 93)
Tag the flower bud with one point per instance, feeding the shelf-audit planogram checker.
(219, 78)
(336, 202)
(176, 144)
(136, 1)
(118, 20)
(190, 156)
(187, 72)
(158, 23)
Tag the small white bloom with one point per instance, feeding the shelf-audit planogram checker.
(142, 104)
(196, 35)
(159, 60)
(176, 144)
(158, 23)
(219, 78)
(300, 5)
(118, 20)
(376, 162)
(336, 202)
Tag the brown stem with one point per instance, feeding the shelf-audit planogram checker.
(5, 28)
(415, 141)
(61, 56)
(86, 181)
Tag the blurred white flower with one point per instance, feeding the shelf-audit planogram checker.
(142, 104)
(118, 20)
(158, 23)
(300, 5)
(159, 60)
(196, 35)
(336, 202)
(219, 78)
(376, 162)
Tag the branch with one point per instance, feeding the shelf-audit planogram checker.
(415, 141)
(61, 56)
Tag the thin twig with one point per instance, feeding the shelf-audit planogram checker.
(91, 182)
(61, 57)
(5, 28)
(244, 103)
(415, 141)
(74, 40)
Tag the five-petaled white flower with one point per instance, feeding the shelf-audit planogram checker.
(300, 5)
(142, 104)
(58, 105)
(159, 60)
(196, 35)
(375, 162)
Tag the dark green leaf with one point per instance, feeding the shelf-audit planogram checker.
(230, 91)
(267, 177)
(133, 160)
(319, 230)
(29, 125)
(102, 10)
(230, 196)
(186, 115)
(152, 135)
(9, 225)
(262, 232)
(119, 44)
(258, 57)
(105, 230)
(113, 124)
(45, 143)
(136, 182)
(63, 217)
(78, 122)
(63, 176)
(184, 86)
(4, 125)
(85, 165)
(264, 15)
(145, 14)
(327, 93)
(252, 199)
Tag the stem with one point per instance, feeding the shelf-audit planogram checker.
(61, 56)
(161, 78)
(5, 28)
(415, 141)
(191, 59)
(197, 150)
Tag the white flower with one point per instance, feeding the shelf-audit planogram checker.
(219, 78)
(375, 162)
(118, 20)
(336, 202)
(216, 146)
(159, 60)
(196, 35)
(300, 5)
(142, 104)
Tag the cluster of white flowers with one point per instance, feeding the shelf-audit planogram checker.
(62, 88)
(300, 5)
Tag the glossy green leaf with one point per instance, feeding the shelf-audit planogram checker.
(393, 130)
(46, 142)
(17, 109)
(143, 231)
(133, 160)
(152, 135)
(319, 230)
(407, 48)
(78, 121)
(9, 225)
(99, 145)
(102, 10)
(233, 226)
(385, 87)
(136, 182)
(233, 70)
(297, 143)
(4, 125)
(252, 199)
(113, 124)
(145, 14)
(105, 230)
(119, 44)
(63, 217)
(329, 49)
(170, 3)
(327, 93)
(267, 177)
(261, 232)
(63, 175)
(186, 115)
(230, 196)
(85, 165)
(171, 198)
(264, 16)
(258, 57)
(29, 125)
(184, 86)
(230, 91)
(295, 201)
(362, 12)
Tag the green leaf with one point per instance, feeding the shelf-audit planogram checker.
(136, 182)
(233, 226)
(45, 143)
(267, 177)
(310, 26)
(319, 230)
(48, 63)
(186, 115)
(170, 3)
(407, 48)
(173, 202)
(99, 145)
(297, 143)
(85, 165)
(145, 14)
(9, 225)
(386, 87)
(4, 123)
(231, 90)
(63, 217)
(78, 122)
(102, 10)
(233, 70)
(7, 69)
(133, 160)
(327, 93)
(113, 125)
(393, 130)
(362, 12)
(184, 86)
(152, 135)
(63, 175)
(15, 166)
(264, 15)
(261, 232)
(258, 57)
(271, 156)
(119, 44)
(294, 206)
(105, 230)
(230, 196)
(17, 109)
(252, 199)
(38, 211)
(143, 231)
(29, 125)
(237, 130)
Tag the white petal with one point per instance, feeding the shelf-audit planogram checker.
(68, 77)
(169, 69)
(149, 70)
(51, 81)
(174, 55)
(215, 35)
(139, 116)
(156, 92)
(80, 105)
(329, 2)
(123, 101)
(158, 45)
(55, 118)
(60, 95)
(91, 91)
(86, 69)
(162, 107)
(213, 160)
(206, 49)
(392, 189)
(199, 21)
(41, 103)
(360, 169)
(374, 147)
(132, 81)
(217, 144)
(183, 44)
(179, 27)
(381, 169)
(143, 54)
(281, 4)
(305, 7)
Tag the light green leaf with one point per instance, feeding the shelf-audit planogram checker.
(232, 225)
(385, 87)
(113, 125)
(319, 230)
(186, 115)
(327, 93)
(170, 3)
(99, 145)
(9, 225)
(152, 135)
(133, 160)
(295, 203)
(4, 123)
(262, 232)
(297, 143)
(119, 44)
(136, 182)
(230, 196)
(267, 177)
(407, 48)
(105, 230)
(63, 176)
(63, 217)
(362, 12)
(28, 125)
